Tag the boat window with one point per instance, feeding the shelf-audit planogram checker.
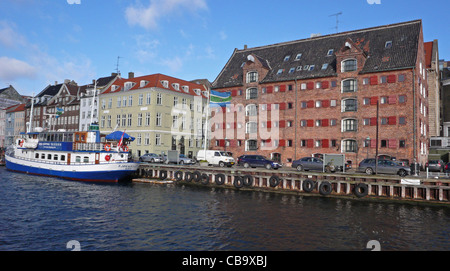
(63, 158)
(86, 159)
(36, 155)
(49, 156)
(78, 159)
(43, 156)
(55, 157)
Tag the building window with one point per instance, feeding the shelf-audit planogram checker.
(158, 119)
(401, 78)
(148, 98)
(252, 77)
(349, 85)
(252, 93)
(349, 125)
(330, 52)
(251, 110)
(159, 98)
(251, 145)
(251, 127)
(349, 105)
(402, 99)
(298, 57)
(349, 145)
(348, 65)
(158, 139)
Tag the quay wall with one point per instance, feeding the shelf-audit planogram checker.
(356, 186)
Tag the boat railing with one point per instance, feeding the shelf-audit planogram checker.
(65, 162)
(93, 146)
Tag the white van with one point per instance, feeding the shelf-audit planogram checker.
(220, 158)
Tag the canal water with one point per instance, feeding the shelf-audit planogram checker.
(41, 214)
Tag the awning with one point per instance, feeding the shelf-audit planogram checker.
(117, 135)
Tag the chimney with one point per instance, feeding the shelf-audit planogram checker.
(130, 75)
(245, 46)
(56, 82)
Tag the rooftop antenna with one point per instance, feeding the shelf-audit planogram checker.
(337, 20)
(117, 66)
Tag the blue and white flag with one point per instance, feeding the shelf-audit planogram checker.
(59, 112)
(221, 99)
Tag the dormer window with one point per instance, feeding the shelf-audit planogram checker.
(280, 71)
(348, 65)
(143, 83)
(114, 87)
(311, 67)
(185, 89)
(325, 66)
(299, 68)
(176, 86)
(198, 91)
(252, 77)
(388, 44)
(330, 52)
(128, 85)
(165, 83)
(286, 58)
(298, 57)
(292, 70)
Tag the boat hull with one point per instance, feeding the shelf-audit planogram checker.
(109, 172)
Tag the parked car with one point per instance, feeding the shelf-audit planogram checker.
(219, 158)
(383, 167)
(435, 165)
(314, 163)
(182, 160)
(257, 161)
(151, 157)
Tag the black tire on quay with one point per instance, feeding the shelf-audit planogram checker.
(274, 181)
(205, 179)
(163, 175)
(197, 176)
(178, 176)
(238, 182)
(247, 180)
(325, 188)
(220, 179)
(308, 185)
(188, 177)
(361, 190)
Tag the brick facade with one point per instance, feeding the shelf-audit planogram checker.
(317, 114)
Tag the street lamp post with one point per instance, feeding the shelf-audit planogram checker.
(367, 146)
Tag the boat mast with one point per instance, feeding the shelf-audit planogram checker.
(31, 114)
(93, 101)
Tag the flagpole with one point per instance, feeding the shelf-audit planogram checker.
(206, 122)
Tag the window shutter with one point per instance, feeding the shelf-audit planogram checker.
(325, 103)
(325, 143)
(282, 106)
(373, 121)
(325, 84)
(282, 143)
(269, 124)
(233, 143)
(222, 143)
(282, 123)
(269, 107)
(310, 85)
(325, 122)
(374, 80)
(310, 123)
(392, 120)
(310, 104)
(373, 143)
(392, 143)
(282, 88)
(310, 143)
(392, 78)
(392, 99)
(269, 89)
(233, 92)
(373, 100)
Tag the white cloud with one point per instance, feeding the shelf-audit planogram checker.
(148, 16)
(12, 69)
(175, 64)
(223, 35)
(9, 36)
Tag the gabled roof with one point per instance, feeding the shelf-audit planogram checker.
(15, 108)
(155, 80)
(314, 51)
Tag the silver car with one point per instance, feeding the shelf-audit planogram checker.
(383, 167)
(151, 157)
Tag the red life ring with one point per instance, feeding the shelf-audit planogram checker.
(107, 147)
(107, 157)
(125, 148)
(21, 142)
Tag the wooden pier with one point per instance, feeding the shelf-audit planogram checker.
(358, 186)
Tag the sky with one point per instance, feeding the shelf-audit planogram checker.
(44, 41)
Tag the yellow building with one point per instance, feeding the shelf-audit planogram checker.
(163, 113)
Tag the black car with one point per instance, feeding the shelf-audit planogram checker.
(435, 165)
(257, 161)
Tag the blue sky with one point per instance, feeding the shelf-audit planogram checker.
(43, 41)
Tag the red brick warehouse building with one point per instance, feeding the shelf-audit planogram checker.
(326, 89)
